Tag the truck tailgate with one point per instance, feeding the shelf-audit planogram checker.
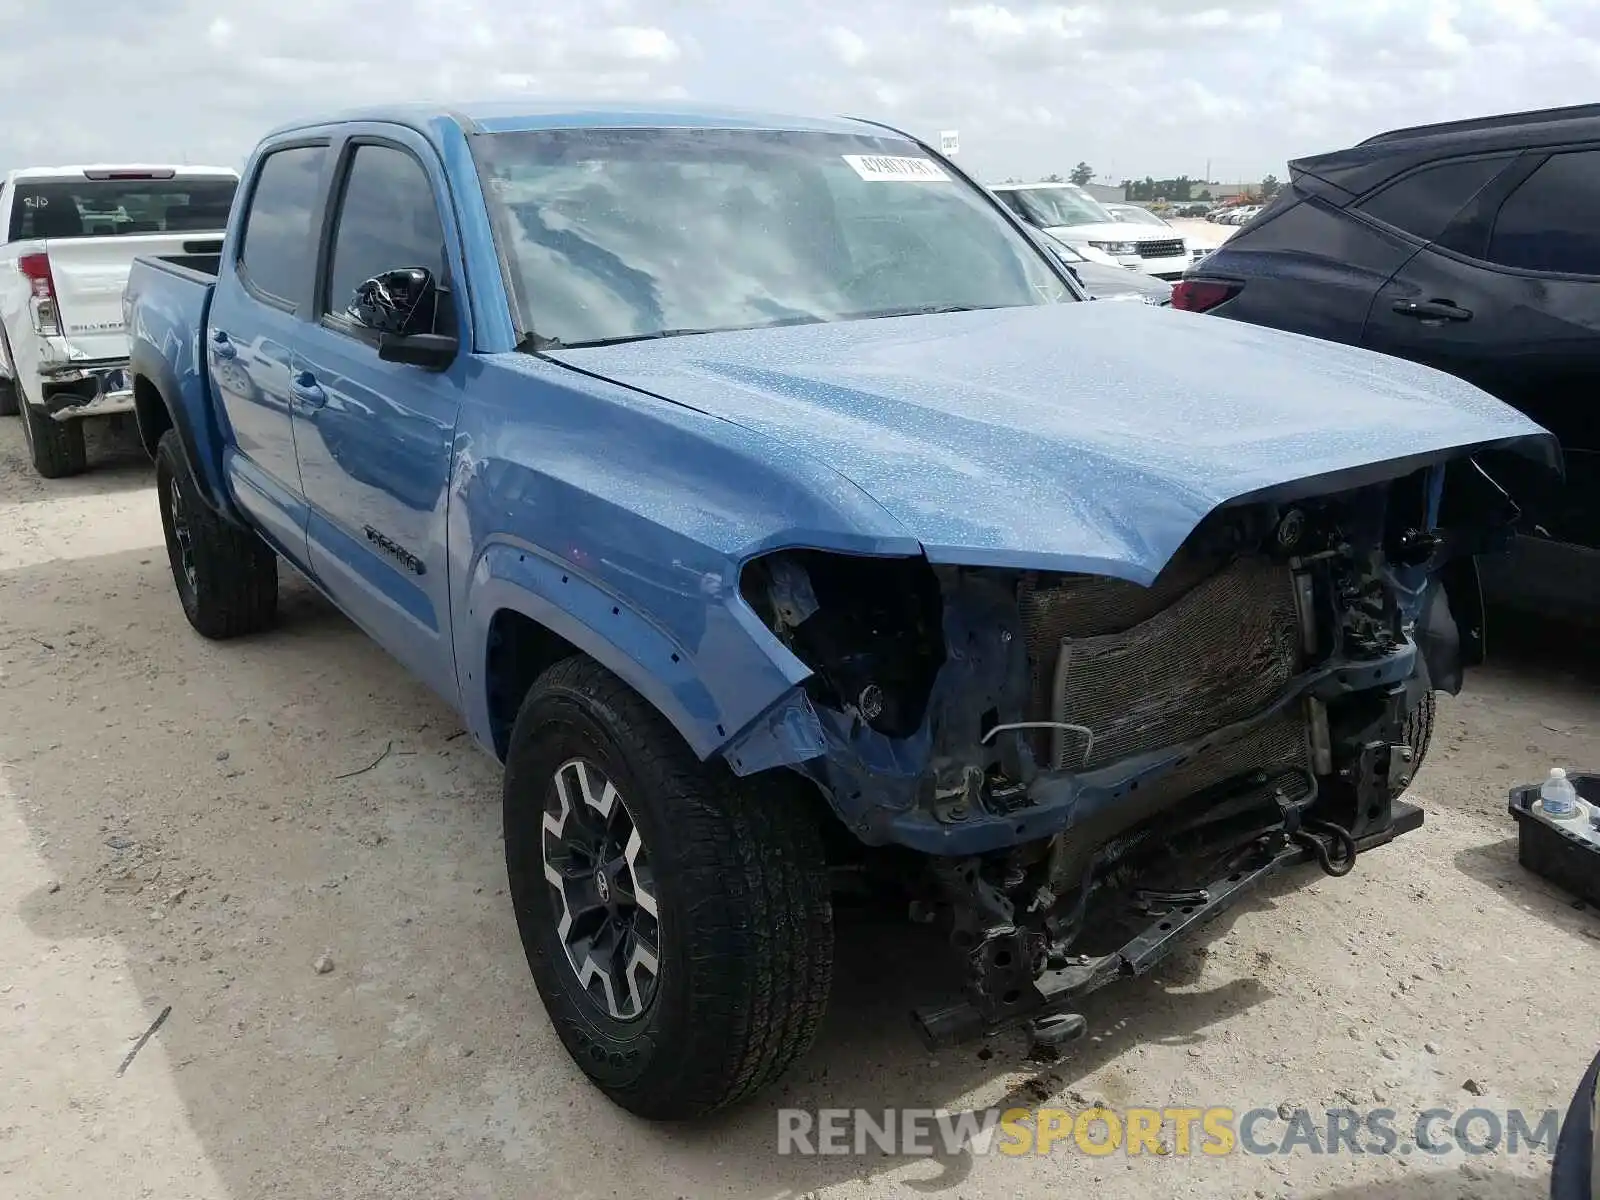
(89, 275)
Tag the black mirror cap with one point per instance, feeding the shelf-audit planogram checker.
(431, 351)
(395, 302)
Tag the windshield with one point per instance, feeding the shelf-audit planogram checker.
(1064, 205)
(625, 233)
(67, 208)
(1134, 215)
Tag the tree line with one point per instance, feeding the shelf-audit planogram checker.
(1179, 188)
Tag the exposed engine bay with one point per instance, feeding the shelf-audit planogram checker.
(1088, 767)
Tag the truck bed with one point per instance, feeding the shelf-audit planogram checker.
(200, 260)
(172, 296)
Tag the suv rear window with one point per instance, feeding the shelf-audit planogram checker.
(68, 208)
(1424, 202)
(1547, 224)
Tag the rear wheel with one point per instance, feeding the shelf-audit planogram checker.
(226, 576)
(55, 447)
(677, 920)
(8, 386)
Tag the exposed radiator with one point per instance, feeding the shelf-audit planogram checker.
(1149, 668)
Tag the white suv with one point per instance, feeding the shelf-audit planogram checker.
(1069, 214)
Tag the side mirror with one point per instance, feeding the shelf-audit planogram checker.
(398, 302)
(434, 351)
(401, 306)
(1068, 260)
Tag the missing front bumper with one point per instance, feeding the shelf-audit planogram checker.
(1009, 996)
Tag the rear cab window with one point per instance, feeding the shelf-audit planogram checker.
(119, 204)
(278, 251)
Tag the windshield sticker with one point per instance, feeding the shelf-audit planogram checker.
(883, 168)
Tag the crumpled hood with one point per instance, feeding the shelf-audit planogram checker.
(1070, 437)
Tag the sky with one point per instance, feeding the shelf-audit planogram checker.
(1133, 87)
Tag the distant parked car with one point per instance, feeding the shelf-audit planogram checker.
(1112, 282)
(1069, 214)
(1472, 247)
(68, 236)
(1134, 214)
(1237, 215)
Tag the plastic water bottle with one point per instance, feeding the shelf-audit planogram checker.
(1557, 796)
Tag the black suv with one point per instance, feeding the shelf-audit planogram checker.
(1474, 247)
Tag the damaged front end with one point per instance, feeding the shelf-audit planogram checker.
(1089, 767)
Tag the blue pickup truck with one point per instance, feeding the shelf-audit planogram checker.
(781, 515)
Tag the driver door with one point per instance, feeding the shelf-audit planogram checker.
(375, 438)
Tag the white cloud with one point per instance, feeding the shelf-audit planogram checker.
(1134, 87)
(848, 47)
(642, 44)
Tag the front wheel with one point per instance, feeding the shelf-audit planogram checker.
(677, 920)
(226, 576)
(1418, 734)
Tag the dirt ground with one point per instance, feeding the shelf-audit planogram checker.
(192, 825)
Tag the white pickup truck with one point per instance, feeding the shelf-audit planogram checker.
(70, 236)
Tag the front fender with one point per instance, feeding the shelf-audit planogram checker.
(710, 687)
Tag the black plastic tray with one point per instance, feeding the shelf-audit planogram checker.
(1562, 857)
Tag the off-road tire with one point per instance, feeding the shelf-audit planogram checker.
(745, 916)
(1418, 733)
(233, 588)
(55, 447)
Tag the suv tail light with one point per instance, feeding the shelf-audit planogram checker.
(1202, 295)
(42, 286)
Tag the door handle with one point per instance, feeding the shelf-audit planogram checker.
(306, 391)
(221, 346)
(1432, 310)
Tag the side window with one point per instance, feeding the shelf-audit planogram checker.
(278, 252)
(1424, 202)
(387, 221)
(1547, 224)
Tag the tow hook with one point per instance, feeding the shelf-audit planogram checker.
(1307, 837)
(1303, 830)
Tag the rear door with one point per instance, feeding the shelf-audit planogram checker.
(1307, 267)
(1444, 303)
(262, 302)
(1509, 298)
(376, 438)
